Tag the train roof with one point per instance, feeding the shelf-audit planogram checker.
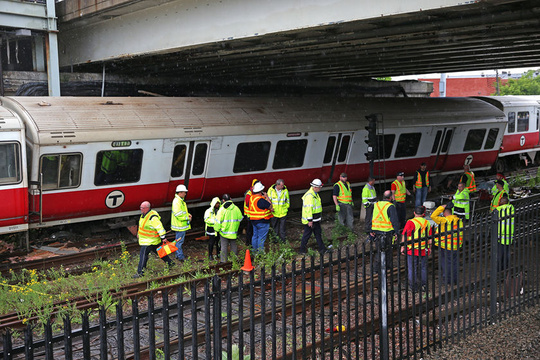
(60, 120)
(511, 100)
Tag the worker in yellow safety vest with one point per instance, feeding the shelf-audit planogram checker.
(151, 235)
(342, 195)
(369, 198)
(505, 228)
(227, 223)
(497, 196)
(384, 227)
(279, 196)
(468, 179)
(416, 238)
(312, 216)
(461, 199)
(180, 219)
(399, 193)
(449, 239)
(210, 216)
(421, 186)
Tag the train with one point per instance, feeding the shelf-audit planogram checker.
(68, 160)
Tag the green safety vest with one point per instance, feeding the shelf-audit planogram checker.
(311, 207)
(345, 193)
(497, 199)
(401, 191)
(280, 202)
(179, 215)
(506, 224)
(369, 196)
(461, 200)
(210, 217)
(150, 229)
(380, 220)
(506, 187)
(228, 220)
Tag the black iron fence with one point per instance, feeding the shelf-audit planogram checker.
(357, 302)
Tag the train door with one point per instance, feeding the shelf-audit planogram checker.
(13, 184)
(335, 156)
(188, 167)
(442, 137)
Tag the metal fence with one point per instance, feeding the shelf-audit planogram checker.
(356, 302)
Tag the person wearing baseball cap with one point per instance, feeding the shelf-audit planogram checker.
(342, 195)
(312, 216)
(399, 193)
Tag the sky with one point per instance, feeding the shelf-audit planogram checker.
(464, 73)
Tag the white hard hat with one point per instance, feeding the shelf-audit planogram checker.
(316, 182)
(181, 187)
(258, 187)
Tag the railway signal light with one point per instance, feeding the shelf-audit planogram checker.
(372, 137)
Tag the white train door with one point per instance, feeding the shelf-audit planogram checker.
(335, 156)
(189, 164)
(442, 137)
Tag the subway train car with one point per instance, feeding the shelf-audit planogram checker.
(521, 141)
(75, 159)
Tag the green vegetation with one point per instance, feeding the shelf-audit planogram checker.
(521, 181)
(528, 84)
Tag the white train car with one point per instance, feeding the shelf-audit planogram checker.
(521, 141)
(99, 158)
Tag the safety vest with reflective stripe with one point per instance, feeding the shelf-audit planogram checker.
(311, 207)
(345, 192)
(418, 237)
(228, 220)
(179, 215)
(256, 212)
(462, 205)
(496, 201)
(450, 230)
(470, 183)
(506, 224)
(280, 202)
(210, 216)
(150, 229)
(401, 191)
(247, 196)
(418, 183)
(506, 187)
(369, 195)
(380, 220)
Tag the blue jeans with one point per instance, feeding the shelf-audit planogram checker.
(260, 231)
(449, 265)
(180, 236)
(421, 196)
(417, 270)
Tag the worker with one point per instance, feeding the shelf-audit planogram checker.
(312, 216)
(506, 187)
(151, 235)
(461, 200)
(180, 219)
(498, 195)
(260, 209)
(384, 227)
(228, 220)
(342, 195)
(421, 187)
(468, 179)
(506, 213)
(449, 240)
(416, 238)
(209, 222)
(249, 225)
(399, 193)
(369, 198)
(279, 196)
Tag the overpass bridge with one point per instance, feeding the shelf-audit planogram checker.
(280, 40)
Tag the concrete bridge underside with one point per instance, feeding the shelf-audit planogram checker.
(280, 40)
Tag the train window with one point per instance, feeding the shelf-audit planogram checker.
(491, 138)
(523, 121)
(511, 122)
(10, 160)
(251, 156)
(344, 148)
(435, 146)
(446, 142)
(385, 144)
(199, 160)
(289, 154)
(179, 160)
(474, 140)
(329, 149)
(61, 171)
(408, 145)
(118, 166)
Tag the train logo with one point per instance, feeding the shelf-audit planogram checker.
(522, 140)
(115, 199)
(468, 160)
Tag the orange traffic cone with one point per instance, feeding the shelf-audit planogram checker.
(247, 262)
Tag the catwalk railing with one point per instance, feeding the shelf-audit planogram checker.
(342, 305)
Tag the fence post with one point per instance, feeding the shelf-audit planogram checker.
(384, 302)
(493, 278)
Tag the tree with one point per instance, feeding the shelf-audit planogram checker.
(528, 84)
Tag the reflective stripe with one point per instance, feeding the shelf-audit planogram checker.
(418, 183)
(420, 232)
(496, 201)
(256, 212)
(380, 220)
(471, 183)
(401, 192)
(247, 196)
(452, 239)
(345, 193)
